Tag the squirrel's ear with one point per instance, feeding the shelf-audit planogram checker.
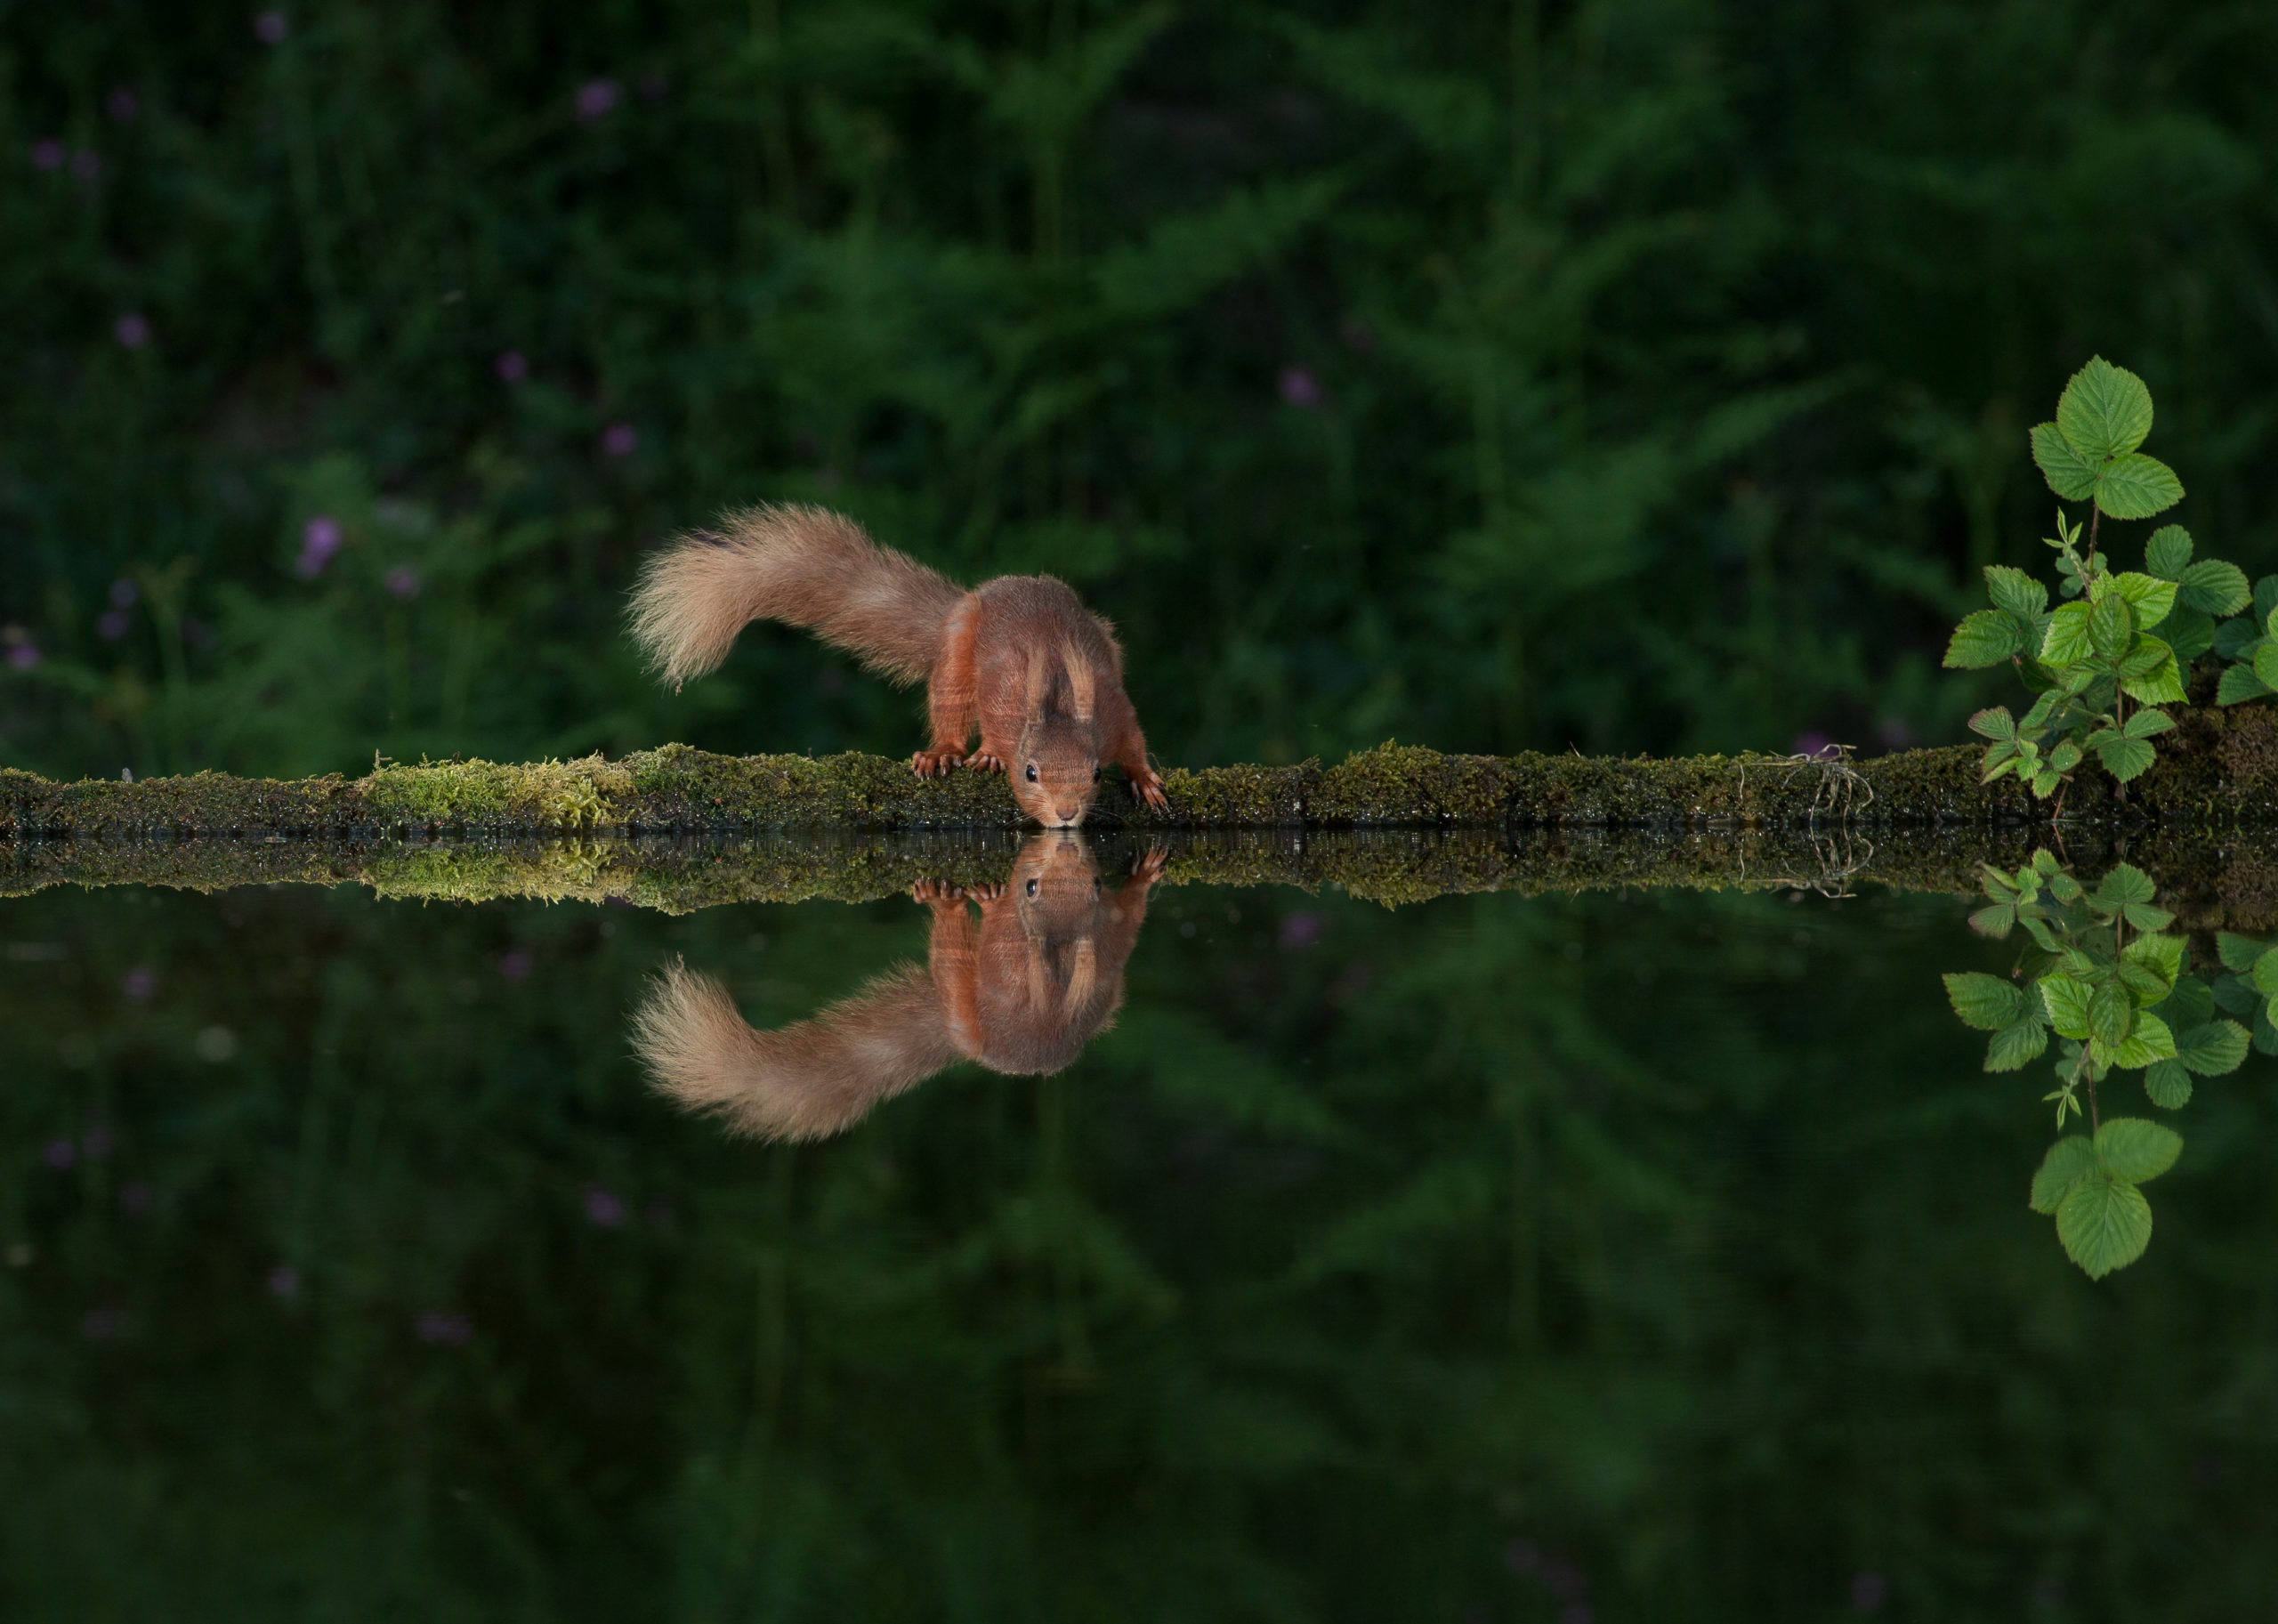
(1082, 682)
(1040, 680)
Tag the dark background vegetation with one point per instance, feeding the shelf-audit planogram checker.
(1638, 374)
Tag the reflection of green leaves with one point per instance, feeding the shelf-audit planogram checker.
(2215, 1049)
(1986, 1002)
(2069, 1160)
(2136, 1149)
(2017, 1045)
(2104, 1225)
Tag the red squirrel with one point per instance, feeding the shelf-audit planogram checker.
(1020, 656)
(1023, 991)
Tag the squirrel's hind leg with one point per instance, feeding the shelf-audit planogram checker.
(952, 704)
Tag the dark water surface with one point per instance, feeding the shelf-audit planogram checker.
(1658, 1255)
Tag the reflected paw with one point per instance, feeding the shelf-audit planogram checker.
(935, 891)
(984, 893)
(1152, 864)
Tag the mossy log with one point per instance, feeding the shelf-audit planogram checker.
(2218, 768)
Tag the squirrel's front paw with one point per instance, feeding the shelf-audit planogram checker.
(934, 764)
(985, 762)
(1147, 785)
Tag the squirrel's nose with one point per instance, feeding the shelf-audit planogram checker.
(1069, 817)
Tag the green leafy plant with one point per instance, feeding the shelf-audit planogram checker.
(2089, 657)
(2106, 975)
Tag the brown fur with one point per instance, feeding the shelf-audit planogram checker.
(1021, 991)
(1019, 658)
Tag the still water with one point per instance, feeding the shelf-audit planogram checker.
(1079, 1243)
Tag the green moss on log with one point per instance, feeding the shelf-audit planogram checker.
(2218, 768)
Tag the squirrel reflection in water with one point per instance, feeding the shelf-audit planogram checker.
(1021, 990)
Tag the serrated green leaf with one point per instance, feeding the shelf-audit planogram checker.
(2213, 587)
(2016, 593)
(2240, 683)
(2070, 475)
(2168, 1085)
(2147, 595)
(2016, 1045)
(2162, 954)
(2069, 1160)
(2167, 554)
(2137, 1148)
(2143, 917)
(2239, 954)
(2148, 1040)
(2105, 411)
(2189, 632)
(1994, 921)
(2264, 975)
(2236, 638)
(2214, 1049)
(2126, 759)
(2067, 638)
(2109, 1012)
(2191, 1004)
(2105, 1224)
(2237, 995)
(2265, 664)
(2136, 486)
(2063, 888)
(1993, 723)
(2161, 684)
(2111, 626)
(2266, 598)
(1986, 1002)
(2145, 985)
(2037, 929)
(2126, 882)
(2147, 725)
(2065, 757)
(1985, 638)
(2067, 1000)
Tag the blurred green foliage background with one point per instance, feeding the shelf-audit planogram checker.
(1628, 374)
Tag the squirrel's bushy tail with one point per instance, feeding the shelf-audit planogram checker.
(805, 1082)
(805, 566)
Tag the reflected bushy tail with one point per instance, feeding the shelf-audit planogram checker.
(803, 565)
(804, 1081)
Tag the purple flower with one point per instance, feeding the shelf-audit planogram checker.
(23, 654)
(1301, 929)
(605, 1208)
(515, 965)
(510, 367)
(139, 983)
(269, 28)
(123, 105)
(283, 1281)
(1812, 743)
(447, 1329)
(86, 164)
(596, 98)
(132, 331)
(403, 581)
(47, 154)
(60, 1154)
(1300, 388)
(320, 538)
(110, 625)
(619, 438)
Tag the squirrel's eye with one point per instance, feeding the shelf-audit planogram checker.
(1095, 775)
(1032, 772)
(1031, 887)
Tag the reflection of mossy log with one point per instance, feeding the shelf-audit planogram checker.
(2224, 881)
(2218, 767)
